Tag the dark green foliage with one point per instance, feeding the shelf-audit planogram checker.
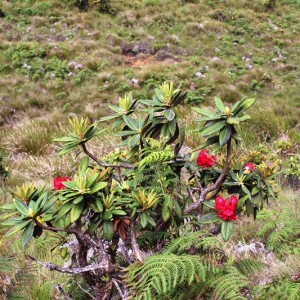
(279, 230)
(21, 286)
(160, 274)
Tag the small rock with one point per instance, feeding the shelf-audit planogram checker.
(134, 81)
(193, 86)
(214, 59)
(199, 75)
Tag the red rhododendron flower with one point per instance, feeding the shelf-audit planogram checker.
(226, 207)
(249, 167)
(58, 182)
(204, 160)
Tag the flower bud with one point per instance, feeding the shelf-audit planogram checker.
(30, 212)
(227, 111)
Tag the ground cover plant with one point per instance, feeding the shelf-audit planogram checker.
(59, 59)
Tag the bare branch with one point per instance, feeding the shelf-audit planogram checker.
(135, 247)
(214, 186)
(102, 164)
(73, 271)
(63, 293)
(191, 195)
(85, 291)
(118, 289)
(197, 181)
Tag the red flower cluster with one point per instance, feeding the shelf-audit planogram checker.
(58, 182)
(249, 167)
(204, 160)
(226, 207)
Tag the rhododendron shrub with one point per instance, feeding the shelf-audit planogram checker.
(126, 205)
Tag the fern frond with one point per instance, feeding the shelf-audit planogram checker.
(282, 290)
(199, 240)
(161, 274)
(248, 267)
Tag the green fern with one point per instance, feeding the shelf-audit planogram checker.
(161, 274)
(155, 157)
(199, 240)
(279, 230)
(20, 287)
(283, 290)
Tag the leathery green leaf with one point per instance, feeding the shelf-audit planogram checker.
(226, 230)
(27, 234)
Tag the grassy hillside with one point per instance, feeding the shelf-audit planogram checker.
(57, 61)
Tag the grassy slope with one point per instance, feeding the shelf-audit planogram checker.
(39, 40)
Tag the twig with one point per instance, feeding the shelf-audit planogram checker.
(118, 289)
(102, 164)
(191, 195)
(85, 291)
(135, 247)
(197, 181)
(73, 271)
(213, 187)
(60, 289)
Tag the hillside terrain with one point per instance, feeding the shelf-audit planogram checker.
(58, 60)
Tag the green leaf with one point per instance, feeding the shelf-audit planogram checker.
(78, 199)
(219, 104)
(210, 204)
(169, 114)
(91, 180)
(118, 212)
(144, 219)
(246, 191)
(178, 210)
(224, 136)
(209, 218)
(125, 133)
(47, 206)
(245, 104)
(40, 201)
(8, 206)
(27, 234)
(108, 230)
(204, 112)
(226, 230)
(236, 106)
(165, 212)
(233, 121)
(84, 164)
(244, 118)
(98, 186)
(63, 210)
(17, 228)
(20, 206)
(242, 201)
(12, 222)
(99, 205)
(130, 123)
(107, 215)
(209, 130)
(133, 141)
(76, 211)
